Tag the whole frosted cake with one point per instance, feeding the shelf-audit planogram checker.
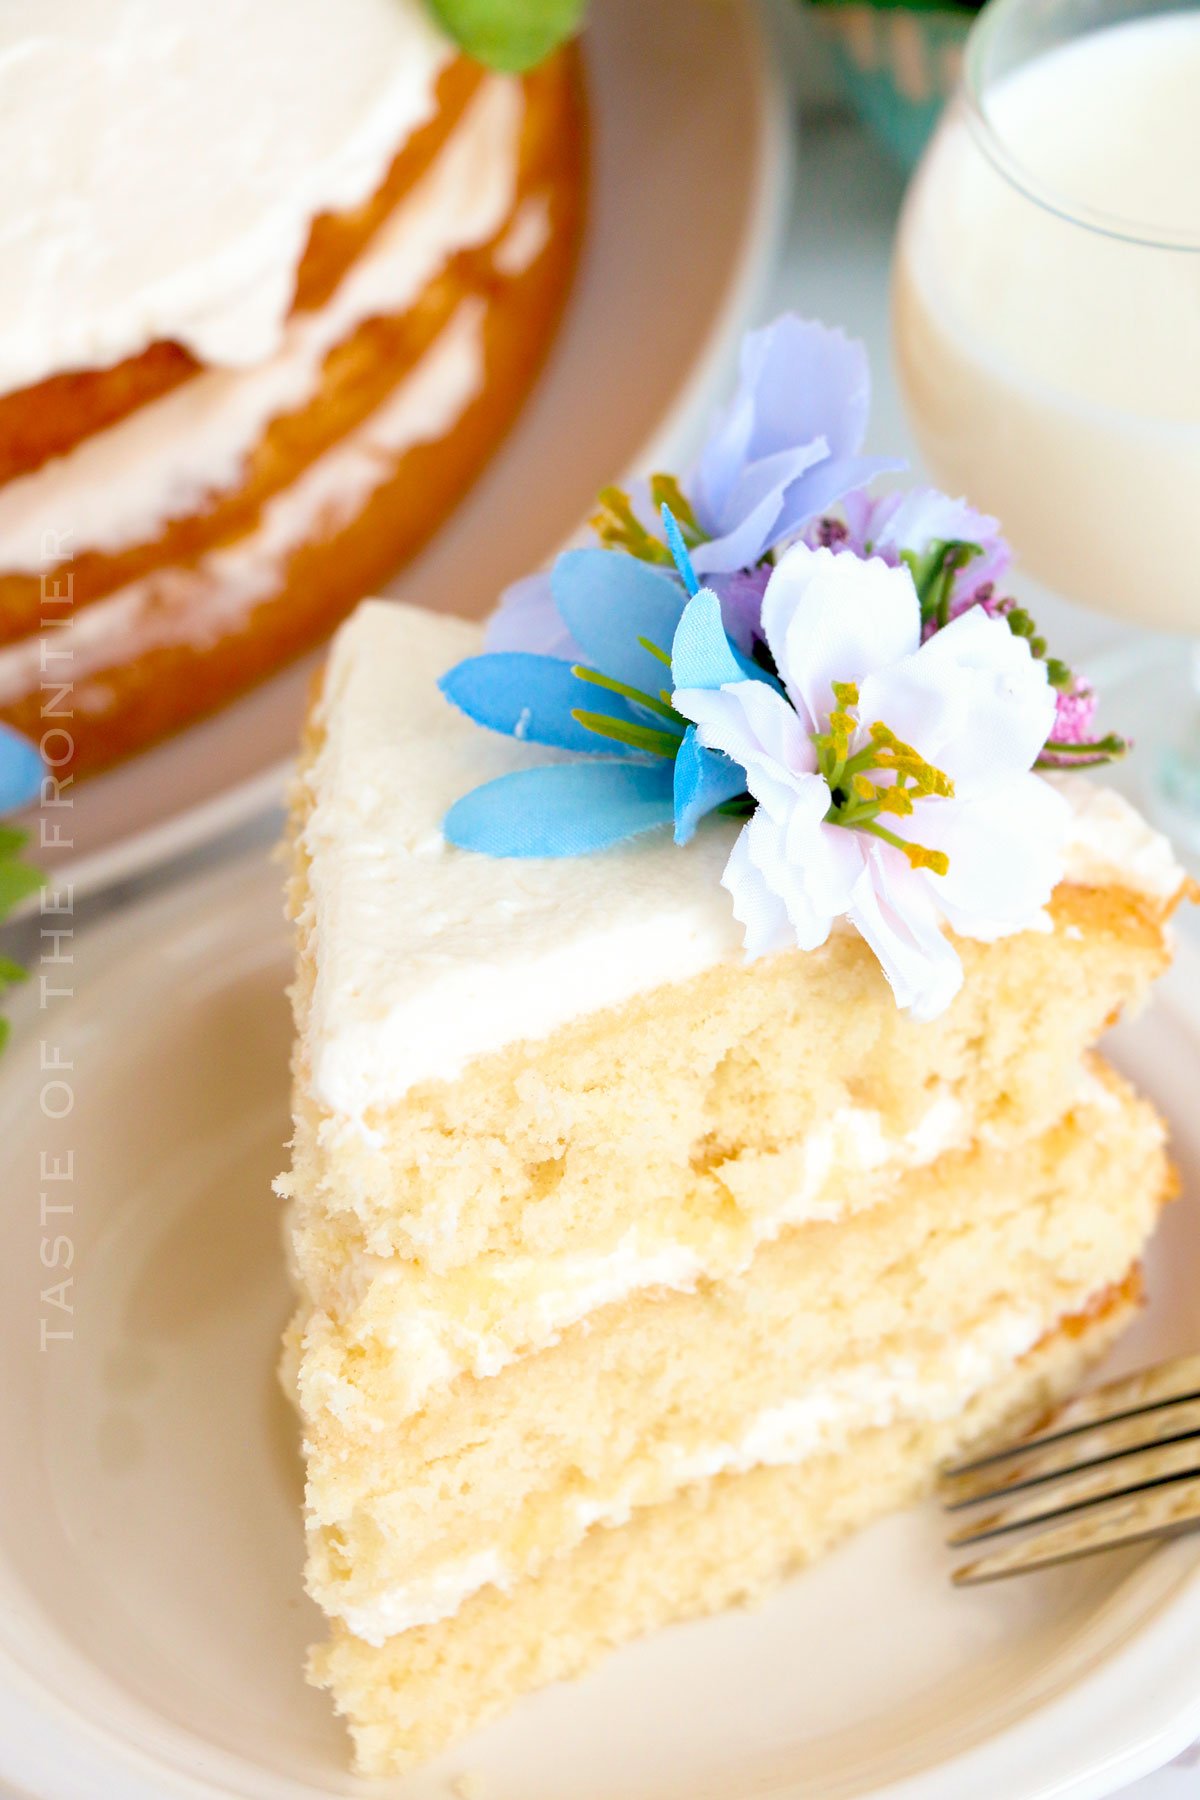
(277, 277)
(667, 1203)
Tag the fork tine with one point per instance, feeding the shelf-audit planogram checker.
(1166, 1511)
(1162, 1385)
(1101, 1481)
(1026, 1464)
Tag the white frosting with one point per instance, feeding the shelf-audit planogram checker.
(499, 1308)
(169, 458)
(164, 163)
(188, 604)
(818, 1421)
(428, 956)
(526, 237)
(1111, 842)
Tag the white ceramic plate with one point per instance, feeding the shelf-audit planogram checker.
(689, 162)
(152, 1623)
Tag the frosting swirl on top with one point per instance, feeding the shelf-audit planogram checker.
(165, 164)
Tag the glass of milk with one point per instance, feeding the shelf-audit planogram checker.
(1046, 307)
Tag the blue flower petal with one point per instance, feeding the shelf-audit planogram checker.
(607, 601)
(531, 698)
(701, 654)
(678, 549)
(568, 809)
(704, 779)
(21, 771)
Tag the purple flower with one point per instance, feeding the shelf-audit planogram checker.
(783, 451)
(1075, 718)
(741, 596)
(786, 447)
(886, 525)
(527, 619)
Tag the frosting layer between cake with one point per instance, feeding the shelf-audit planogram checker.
(817, 1421)
(479, 1319)
(165, 163)
(429, 956)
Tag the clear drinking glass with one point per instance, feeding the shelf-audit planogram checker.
(1046, 310)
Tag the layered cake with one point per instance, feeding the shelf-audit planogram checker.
(277, 278)
(667, 1203)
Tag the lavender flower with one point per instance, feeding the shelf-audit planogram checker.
(741, 596)
(783, 451)
(786, 448)
(939, 538)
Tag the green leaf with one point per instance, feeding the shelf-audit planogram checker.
(12, 840)
(17, 882)
(5, 1028)
(11, 972)
(512, 35)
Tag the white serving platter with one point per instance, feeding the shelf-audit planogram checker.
(152, 1621)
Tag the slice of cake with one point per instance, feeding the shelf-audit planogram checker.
(667, 1203)
(631, 1274)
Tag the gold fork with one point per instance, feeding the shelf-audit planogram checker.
(1117, 1466)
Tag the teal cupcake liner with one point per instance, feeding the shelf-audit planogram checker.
(898, 67)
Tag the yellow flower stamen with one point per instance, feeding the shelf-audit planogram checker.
(860, 798)
(936, 861)
(896, 800)
(894, 754)
(666, 491)
(618, 527)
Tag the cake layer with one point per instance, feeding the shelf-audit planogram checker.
(476, 1318)
(722, 1540)
(219, 590)
(912, 1305)
(705, 1095)
(431, 958)
(500, 1058)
